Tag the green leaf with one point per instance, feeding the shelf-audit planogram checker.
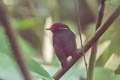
(35, 67)
(28, 23)
(113, 3)
(112, 35)
(75, 73)
(100, 73)
(4, 45)
(9, 69)
(28, 53)
(104, 74)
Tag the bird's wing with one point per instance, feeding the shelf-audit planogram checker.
(70, 45)
(59, 49)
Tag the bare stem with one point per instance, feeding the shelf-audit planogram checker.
(94, 48)
(79, 29)
(13, 43)
(90, 42)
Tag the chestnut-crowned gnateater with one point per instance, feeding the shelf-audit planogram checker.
(64, 42)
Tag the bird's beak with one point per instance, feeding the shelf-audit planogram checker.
(48, 29)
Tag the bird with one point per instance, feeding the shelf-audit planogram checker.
(64, 42)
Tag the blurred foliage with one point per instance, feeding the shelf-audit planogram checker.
(117, 71)
(7, 58)
(27, 23)
(113, 3)
(8, 68)
(114, 48)
(105, 74)
(28, 18)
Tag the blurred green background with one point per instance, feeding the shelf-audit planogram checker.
(30, 18)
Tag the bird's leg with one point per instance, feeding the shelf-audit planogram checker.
(74, 56)
(64, 61)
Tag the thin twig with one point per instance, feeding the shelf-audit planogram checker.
(90, 42)
(94, 48)
(79, 29)
(16, 51)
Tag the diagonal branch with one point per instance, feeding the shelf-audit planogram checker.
(90, 42)
(14, 46)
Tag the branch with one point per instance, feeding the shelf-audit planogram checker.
(94, 47)
(79, 29)
(16, 52)
(90, 42)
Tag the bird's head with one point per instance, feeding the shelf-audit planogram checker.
(58, 27)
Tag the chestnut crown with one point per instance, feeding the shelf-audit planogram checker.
(58, 26)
